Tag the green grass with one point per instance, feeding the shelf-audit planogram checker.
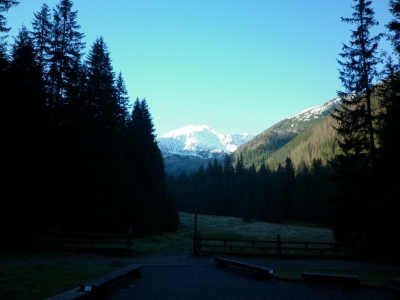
(44, 280)
(227, 235)
(23, 254)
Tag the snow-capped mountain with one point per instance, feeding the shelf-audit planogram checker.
(200, 141)
(308, 116)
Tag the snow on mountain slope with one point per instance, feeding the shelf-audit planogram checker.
(200, 141)
(308, 116)
(318, 112)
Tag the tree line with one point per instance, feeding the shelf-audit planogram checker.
(272, 195)
(75, 151)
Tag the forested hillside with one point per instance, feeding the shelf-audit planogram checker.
(263, 146)
(73, 150)
(302, 131)
(318, 141)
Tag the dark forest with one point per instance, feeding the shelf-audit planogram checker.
(74, 152)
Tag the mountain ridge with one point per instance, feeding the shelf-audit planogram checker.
(201, 141)
(189, 147)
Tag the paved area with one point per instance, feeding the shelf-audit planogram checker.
(206, 281)
(179, 275)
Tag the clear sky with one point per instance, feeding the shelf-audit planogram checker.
(235, 65)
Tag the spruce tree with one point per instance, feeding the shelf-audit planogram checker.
(101, 93)
(148, 164)
(122, 98)
(66, 48)
(358, 74)
(5, 5)
(387, 205)
(289, 182)
(357, 164)
(42, 28)
(394, 25)
(25, 152)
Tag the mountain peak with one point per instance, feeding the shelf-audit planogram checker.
(186, 130)
(318, 112)
(307, 117)
(200, 141)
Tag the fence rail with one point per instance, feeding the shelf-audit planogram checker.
(58, 239)
(276, 248)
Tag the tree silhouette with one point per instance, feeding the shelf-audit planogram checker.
(5, 5)
(357, 165)
(358, 74)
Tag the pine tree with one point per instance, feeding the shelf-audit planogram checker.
(289, 182)
(149, 166)
(358, 75)
(101, 93)
(5, 5)
(65, 54)
(122, 98)
(26, 165)
(357, 165)
(229, 184)
(390, 127)
(385, 209)
(394, 25)
(42, 29)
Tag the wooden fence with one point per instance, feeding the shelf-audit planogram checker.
(276, 248)
(58, 239)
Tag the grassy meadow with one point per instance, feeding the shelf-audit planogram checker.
(236, 227)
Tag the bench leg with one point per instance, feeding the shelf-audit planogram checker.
(98, 294)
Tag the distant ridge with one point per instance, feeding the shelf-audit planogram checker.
(302, 137)
(308, 117)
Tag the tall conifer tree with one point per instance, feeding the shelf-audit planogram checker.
(358, 74)
(65, 54)
(42, 28)
(355, 126)
(149, 165)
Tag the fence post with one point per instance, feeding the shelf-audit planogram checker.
(195, 246)
(279, 245)
(58, 226)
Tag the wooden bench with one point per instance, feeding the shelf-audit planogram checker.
(261, 272)
(347, 281)
(74, 294)
(97, 286)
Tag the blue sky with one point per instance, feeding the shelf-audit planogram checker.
(235, 65)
